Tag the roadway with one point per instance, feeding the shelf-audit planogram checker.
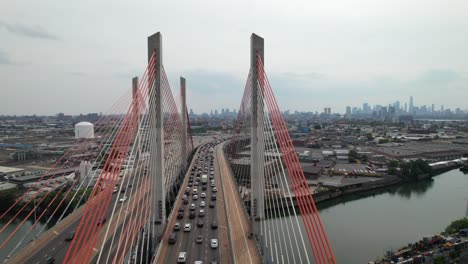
(186, 241)
(53, 243)
(243, 248)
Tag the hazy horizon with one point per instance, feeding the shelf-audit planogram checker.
(80, 58)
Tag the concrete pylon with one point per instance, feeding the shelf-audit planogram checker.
(156, 165)
(257, 201)
(136, 106)
(183, 109)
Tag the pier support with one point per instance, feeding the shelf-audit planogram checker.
(156, 165)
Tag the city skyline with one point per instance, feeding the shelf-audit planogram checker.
(335, 55)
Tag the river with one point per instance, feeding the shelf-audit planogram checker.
(363, 227)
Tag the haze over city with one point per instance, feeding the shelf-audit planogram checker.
(80, 57)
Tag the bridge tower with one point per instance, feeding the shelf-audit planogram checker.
(256, 148)
(183, 115)
(156, 165)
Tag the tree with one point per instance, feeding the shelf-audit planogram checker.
(317, 127)
(352, 156)
(456, 225)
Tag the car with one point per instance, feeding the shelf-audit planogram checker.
(180, 215)
(214, 225)
(203, 195)
(123, 199)
(186, 201)
(116, 189)
(101, 221)
(214, 189)
(196, 183)
(214, 262)
(213, 197)
(201, 213)
(192, 215)
(184, 197)
(195, 197)
(187, 227)
(214, 243)
(198, 262)
(182, 257)
(172, 238)
(177, 226)
(123, 190)
(192, 207)
(190, 184)
(203, 187)
(211, 177)
(199, 239)
(212, 204)
(50, 260)
(70, 236)
(195, 191)
(202, 204)
(213, 184)
(200, 223)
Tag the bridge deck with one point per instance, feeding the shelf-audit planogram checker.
(243, 248)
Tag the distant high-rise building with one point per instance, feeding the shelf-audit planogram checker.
(442, 108)
(348, 110)
(365, 108)
(432, 108)
(406, 107)
(411, 105)
(327, 110)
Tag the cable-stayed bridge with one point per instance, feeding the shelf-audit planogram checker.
(148, 195)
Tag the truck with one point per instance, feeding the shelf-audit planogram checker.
(204, 179)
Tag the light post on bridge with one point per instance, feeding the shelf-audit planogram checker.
(243, 255)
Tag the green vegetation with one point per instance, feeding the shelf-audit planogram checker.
(439, 260)
(353, 156)
(409, 170)
(413, 169)
(7, 198)
(456, 225)
(317, 127)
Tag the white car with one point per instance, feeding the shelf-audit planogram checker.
(214, 243)
(123, 199)
(203, 195)
(214, 189)
(202, 204)
(182, 257)
(187, 227)
(195, 197)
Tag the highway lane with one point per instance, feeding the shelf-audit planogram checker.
(54, 243)
(186, 241)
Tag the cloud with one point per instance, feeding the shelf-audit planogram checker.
(437, 77)
(79, 74)
(28, 31)
(4, 58)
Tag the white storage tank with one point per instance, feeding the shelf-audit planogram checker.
(84, 130)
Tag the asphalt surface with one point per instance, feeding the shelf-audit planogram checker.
(186, 241)
(56, 246)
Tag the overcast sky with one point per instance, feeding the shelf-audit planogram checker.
(79, 56)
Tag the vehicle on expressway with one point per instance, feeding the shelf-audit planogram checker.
(199, 239)
(204, 179)
(202, 204)
(214, 225)
(187, 227)
(50, 260)
(195, 197)
(201, 213)
(203, 195)
(123, 199)
(214, 243)
(70, 236)
(101, 221)
(177, 226)
(172, 238)
(182, 257)
(200, 223)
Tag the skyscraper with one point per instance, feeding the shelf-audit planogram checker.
(411, 106)
(348, 110)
